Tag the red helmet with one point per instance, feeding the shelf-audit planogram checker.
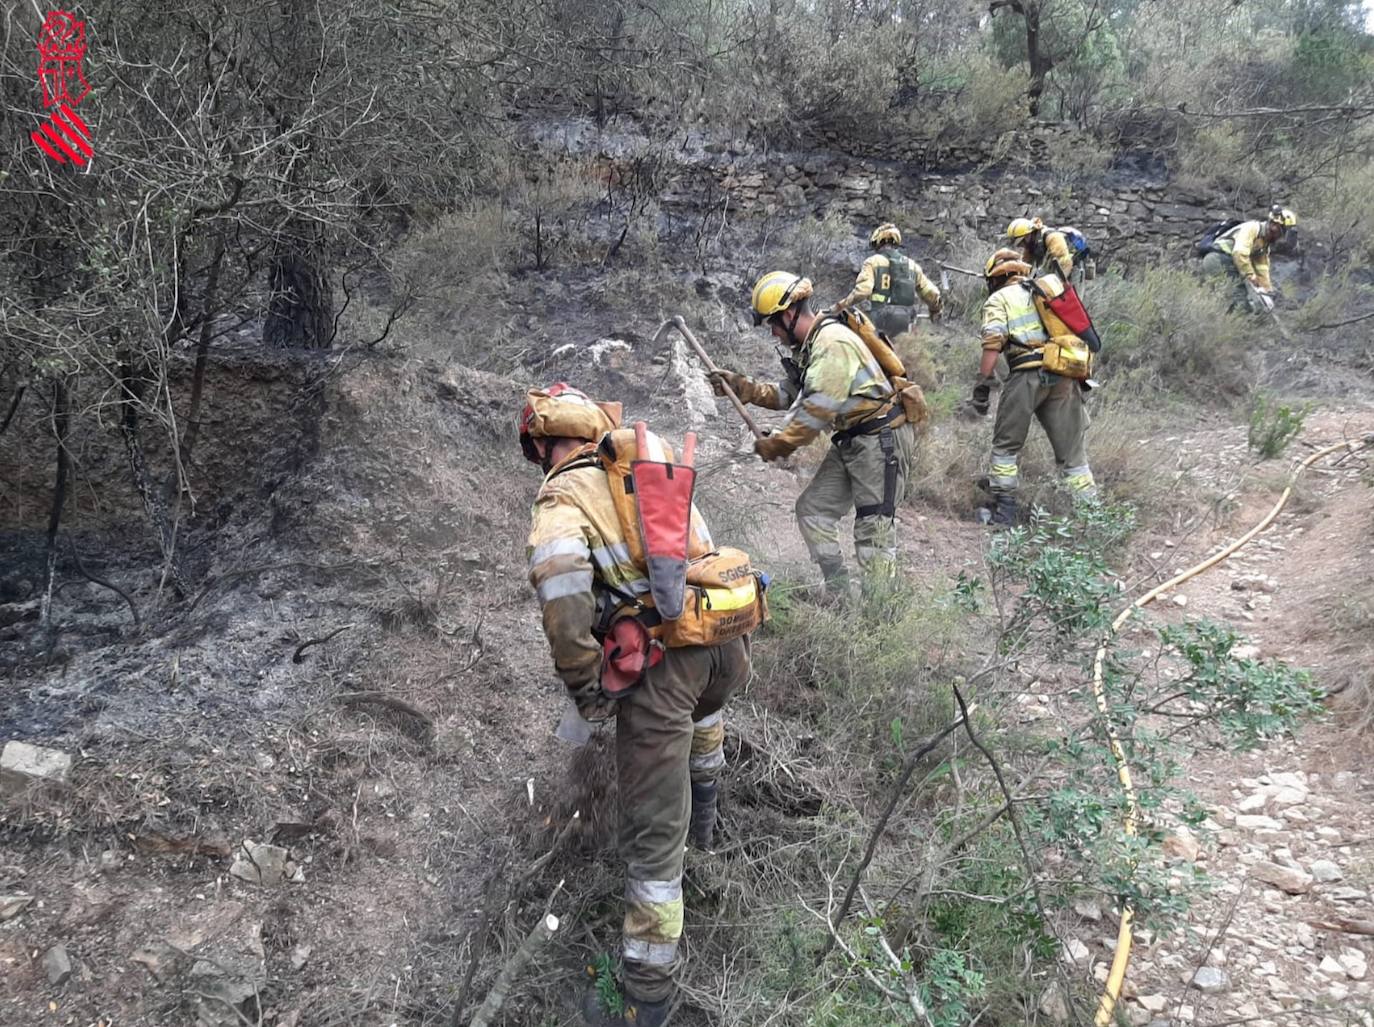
(563, 412)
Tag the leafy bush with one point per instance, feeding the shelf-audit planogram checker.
(1168, 330)
(1273, 424)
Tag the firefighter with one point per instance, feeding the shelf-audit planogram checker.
(669, 729)
(1011, 326)
(838, 386)
(1046, 249)
(891, 281)
(1242, 254)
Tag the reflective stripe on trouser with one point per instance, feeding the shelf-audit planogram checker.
(1057, 403)
(1080, 481)
(890, 320)
(858, 475)
(708, 747)
(655, 729)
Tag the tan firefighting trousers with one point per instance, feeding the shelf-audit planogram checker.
(867, 474)
(1057, 403)
(669, 734)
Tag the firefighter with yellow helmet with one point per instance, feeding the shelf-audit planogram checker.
(838, 387)
(1012, 327)
(669, 731)
(891, 282)
(1241, 253)
(1046, 249)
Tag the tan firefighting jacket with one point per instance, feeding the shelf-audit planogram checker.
(842, 385)
(863, 285)
(1248, 248)
(576, 549)
(1054, 248)
(1012, 325)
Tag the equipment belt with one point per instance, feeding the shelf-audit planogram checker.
(1021, 359)
(871, 426)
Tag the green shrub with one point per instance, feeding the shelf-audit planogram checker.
(1167, 330)
(1274, 424)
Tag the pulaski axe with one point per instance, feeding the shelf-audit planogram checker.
(681, 325)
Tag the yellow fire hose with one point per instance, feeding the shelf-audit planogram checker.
(1117, 975)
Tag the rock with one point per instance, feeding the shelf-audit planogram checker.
(12, 905)
(1288, 879)
(1088, 909)
(57, 964)
(1053, 1005)
(109, 861)
(1076, 953)
(1346, 895)
(300, 955)
(1343, 779)
(1180, 601)
(1330, 835)
(1210, 981)
(1331, 967)
(1286, 797)
(1325, 871)
(1153, 1003)
(1257, 822)
(1288, 779)
(24, 766)
(1354, 963)
(1252, 803)
(264, 864)
(1182, 844)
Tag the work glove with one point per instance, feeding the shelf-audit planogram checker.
(719, 379)
(981, 398)
(592, 703)
(936, 309)
(771, 447)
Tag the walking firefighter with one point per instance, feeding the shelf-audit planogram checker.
(843, 379)
(648, 623)
(1048, 369)
(891, 282)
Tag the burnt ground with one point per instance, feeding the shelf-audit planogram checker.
(407, 763)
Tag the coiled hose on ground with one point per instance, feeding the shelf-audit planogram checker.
(1117, 975)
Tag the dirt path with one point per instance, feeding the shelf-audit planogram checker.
(1289, 824)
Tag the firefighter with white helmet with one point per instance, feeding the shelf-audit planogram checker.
(669, 733)
(891, 282)
(839, 387)
(1241, 253)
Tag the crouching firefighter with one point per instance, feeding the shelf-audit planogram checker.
(849, 382)
(1046, 381)
(648, 623)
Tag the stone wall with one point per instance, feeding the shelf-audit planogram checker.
(934, 188)
(1117, 218)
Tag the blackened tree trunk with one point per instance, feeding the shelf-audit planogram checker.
(300, 310)
(61, 419)
(1040, 63)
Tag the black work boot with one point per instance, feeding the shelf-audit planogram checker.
(1005, 512)
(701, 829)
(633, 1014)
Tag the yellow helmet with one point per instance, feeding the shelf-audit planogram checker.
(884, 234)
(562, 412)
(1283, 216)
(1005, 262)
(775, 292)
(1022, 227)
